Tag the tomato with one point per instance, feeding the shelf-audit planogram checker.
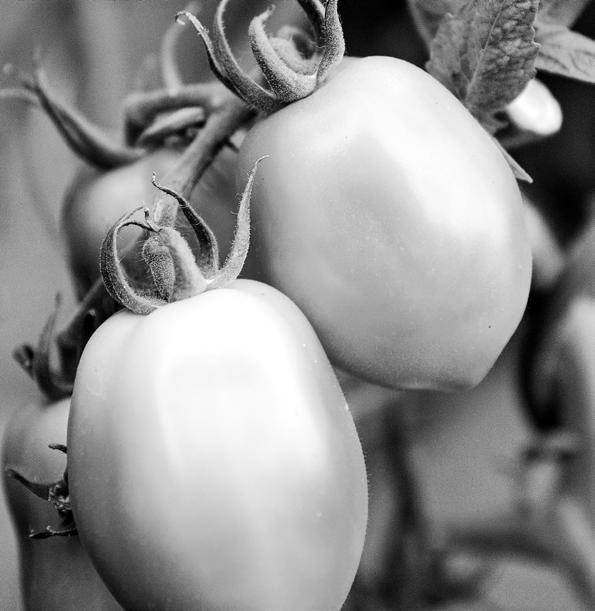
(213, 461)
(388, 215)
(576, 280)
(56, 574)
(96, 200)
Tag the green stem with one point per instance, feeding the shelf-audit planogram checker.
(141, 108)
(187, 172)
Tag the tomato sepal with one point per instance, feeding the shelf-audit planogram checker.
(56, 493)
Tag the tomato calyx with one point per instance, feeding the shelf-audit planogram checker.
(203, 118)
(293, 62)
(175, 272)
(163, 108)
(57, 494)
(168, 259)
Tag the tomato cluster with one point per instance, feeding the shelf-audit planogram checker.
(212, 460)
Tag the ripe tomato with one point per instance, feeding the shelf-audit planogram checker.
(393, 221)
(56, 574)
(213, 462)
(96, 200)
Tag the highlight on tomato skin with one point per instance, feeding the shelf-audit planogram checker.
(213, 461)
(391, 218)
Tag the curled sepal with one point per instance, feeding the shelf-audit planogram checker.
(60, 447)
(189, 279)
(114, 276)
(41, 490)
(51, 383)
(296, 48)
(96, 307)
(87, 140)
(216, 67)
(208, 249)
(241, 242)
(168, 257)
(225, 66)
(293, 66)
(286, 83)
(176, 123)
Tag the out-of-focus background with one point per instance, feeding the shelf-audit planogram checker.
(92, 51)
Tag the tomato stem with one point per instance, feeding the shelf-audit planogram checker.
(36, 362)
(549, 522)
(185, 175)
(55, 384)
(175, 272)
(87, 140)
(170, 73)
(95, 307)
(141, 108)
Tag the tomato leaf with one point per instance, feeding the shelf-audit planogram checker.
(428, 14)
(485, 54)
(565, 52)
(562, 12)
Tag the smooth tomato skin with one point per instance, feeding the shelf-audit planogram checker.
(213, 461)
(56, 574)
(96, 200)
(394, 222)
